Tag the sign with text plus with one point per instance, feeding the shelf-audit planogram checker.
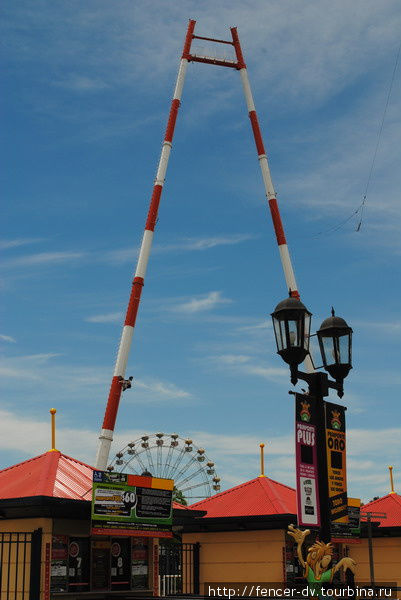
(124, 504)
(336, 462)
(306, 461)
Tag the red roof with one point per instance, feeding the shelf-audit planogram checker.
(391, 505)
(181, 506)
(260, 496)
(50, 474)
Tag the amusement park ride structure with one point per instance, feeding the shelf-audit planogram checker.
(172, 457)
(119, 383)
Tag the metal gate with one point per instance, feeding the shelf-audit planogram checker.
(20, 559)
(178, 568)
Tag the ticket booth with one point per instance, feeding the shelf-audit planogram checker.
(80, 554)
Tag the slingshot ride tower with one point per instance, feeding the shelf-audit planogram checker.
(119, 383)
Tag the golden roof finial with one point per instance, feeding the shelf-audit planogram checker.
(391, 480)
(53, 417)
(262, 461)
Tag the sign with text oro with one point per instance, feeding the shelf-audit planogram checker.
(306, 461)
(124, 504)
(336, 462)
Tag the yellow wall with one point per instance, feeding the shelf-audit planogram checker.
(386, 557)
(239, 556)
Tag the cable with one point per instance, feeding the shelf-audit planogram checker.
(378, 138)
(362, 205)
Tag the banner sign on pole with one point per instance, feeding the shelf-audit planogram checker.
(130, 505)
(352, 530)
(336, 462)
(306, 461)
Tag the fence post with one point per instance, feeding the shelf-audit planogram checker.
(196, 552)
(36, 555)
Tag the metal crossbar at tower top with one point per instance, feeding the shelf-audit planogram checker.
(119, 383)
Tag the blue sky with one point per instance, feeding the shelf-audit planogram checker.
(88, 88)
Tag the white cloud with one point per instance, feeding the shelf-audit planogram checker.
(381, 327)
(190, 244)
(77, 383)
(42, 258)
(236, 456)
(164, 389)
(241, 444)
(206, 243)
(261, 326)
(7, 338)
(6, 244)
(232, 359)
(266, 372)
(201, 303)
(115, 317)
(79, 83)
(246, 365)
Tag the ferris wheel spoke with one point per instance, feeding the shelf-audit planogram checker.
(189, 477)
(167, 463)
(177, 462)
(159, 452)
(150, 460)
(185, 467)
(192, 487)
(139, 459)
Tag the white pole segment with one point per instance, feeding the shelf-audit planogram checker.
(123, 351)
(163, 162)
(287, 267)
(103, 451)
(144, 253)
(267, 180)
(180, 79)
(247, 90)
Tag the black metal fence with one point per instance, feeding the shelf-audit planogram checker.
(20, 559)
(178, 569)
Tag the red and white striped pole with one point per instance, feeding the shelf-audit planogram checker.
(264, 166)
(267, 180)
(106, 435)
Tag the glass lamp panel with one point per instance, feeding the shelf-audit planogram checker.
(293, 333)
(350, 349)
(277, 331)
(283, 335)
(329, 357)
(307, 331)
(343, 349)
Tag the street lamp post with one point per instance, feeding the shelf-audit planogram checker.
(291, 322)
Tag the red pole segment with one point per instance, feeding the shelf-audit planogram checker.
(106, 435)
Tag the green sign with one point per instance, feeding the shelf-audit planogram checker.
(124, 503)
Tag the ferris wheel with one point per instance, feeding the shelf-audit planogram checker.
(172, 457)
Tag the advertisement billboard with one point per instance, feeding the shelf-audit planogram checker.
(336, 462)
(306, 461)
(124, 504)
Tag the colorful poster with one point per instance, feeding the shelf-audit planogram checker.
(125, 504)
(59, 564)
(336, 462)
(306, 461)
